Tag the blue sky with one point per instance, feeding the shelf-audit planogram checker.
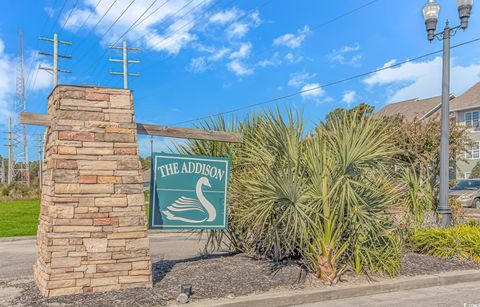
(200, 57)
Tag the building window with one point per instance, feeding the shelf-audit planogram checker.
(467, 175)
(468, 154)
(472, 119)
(476, 151)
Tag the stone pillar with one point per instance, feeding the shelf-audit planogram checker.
(92, 234)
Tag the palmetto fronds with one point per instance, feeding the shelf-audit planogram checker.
(323, 197)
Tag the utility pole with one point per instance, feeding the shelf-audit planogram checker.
(125, 62)
(2, 169)
(55, 70)
(151, 146)
(39, 146)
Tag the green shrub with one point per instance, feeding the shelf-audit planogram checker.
(323, 197)
(417, 198)
(462, 241)
(473, 223)
(4, 191)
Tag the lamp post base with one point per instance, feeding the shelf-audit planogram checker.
(444, 217)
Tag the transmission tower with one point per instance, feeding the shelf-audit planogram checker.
(20, 163)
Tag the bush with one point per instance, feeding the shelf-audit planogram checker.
(4, 191)
(475, 171)
(323, 197)
(462, 241)
(417, 198)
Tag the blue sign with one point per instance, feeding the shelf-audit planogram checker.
(188, 192)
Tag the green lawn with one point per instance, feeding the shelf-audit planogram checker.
(19, 218)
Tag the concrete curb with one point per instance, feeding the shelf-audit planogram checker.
(288, 298)
(13, 239)
(151, 234)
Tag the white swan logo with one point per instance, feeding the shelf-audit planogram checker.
(185, 204)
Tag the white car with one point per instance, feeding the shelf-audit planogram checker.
(467, 192)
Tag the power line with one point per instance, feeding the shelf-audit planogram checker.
(129, 29)
(185, 14)
(174, 14)
(34, 60)
(354, 10)
(118, 18)
(149, 15)
(322, 86)
(89, 15)
(58, 17)
(93, 28)
(108, 30)
(68, 17)
(330, 21)
(135, 23)
(180, 28)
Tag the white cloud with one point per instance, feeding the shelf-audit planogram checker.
(239, 29)
(299, 79)
(8, 65)
(344, 55)
(76, 19)
(225, 16)
(349, 96)
(219, 54)
(423, 79)
(7, 83)
(273, 61)
(291, 58)
(354, 47)
(239, 68)
(312, 91)
(243, 52)
(169, 29)
(292, 40)
(50, 11)
(197, 65)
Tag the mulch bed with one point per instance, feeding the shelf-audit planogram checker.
(218, 276)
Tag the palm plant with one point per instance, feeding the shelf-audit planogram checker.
(349, 165)
(325, 197)
(418, 197)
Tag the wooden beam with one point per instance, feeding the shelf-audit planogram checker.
(35, 119)
(149, 129)
(189, 133)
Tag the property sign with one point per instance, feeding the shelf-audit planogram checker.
(188, 192)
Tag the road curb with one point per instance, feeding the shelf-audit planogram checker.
(151, 234)
(21, 238)
(288, 298)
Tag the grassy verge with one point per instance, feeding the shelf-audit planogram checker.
(19, 218)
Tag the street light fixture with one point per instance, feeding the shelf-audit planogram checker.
(430, 14)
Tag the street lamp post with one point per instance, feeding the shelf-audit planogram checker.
(430, 14)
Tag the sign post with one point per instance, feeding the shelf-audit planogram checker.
(188, 192)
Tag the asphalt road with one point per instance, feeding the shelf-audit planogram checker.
(17, 257)
(464, 294)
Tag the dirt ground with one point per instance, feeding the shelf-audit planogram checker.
(226, 275)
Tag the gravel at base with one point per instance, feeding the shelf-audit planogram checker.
(418, 264)
(217, 276)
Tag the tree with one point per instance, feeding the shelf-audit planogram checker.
(362, 110)
(475, 171)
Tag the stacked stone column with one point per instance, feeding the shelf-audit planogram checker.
(92, 234)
